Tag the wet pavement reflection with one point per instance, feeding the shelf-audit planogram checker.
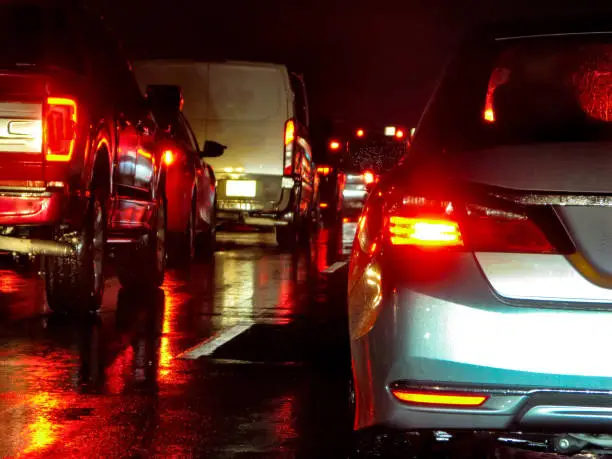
(119, 384)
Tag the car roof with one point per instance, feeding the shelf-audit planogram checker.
(545, 26)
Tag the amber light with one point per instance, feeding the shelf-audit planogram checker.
(439, 398)
(334, 145)
(168, 157)
(289, 132)
(324, 170)
(424, 232)
(399, 134)
(360, 132)
(489, 115)
(323, 205)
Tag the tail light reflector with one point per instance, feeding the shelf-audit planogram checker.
(289, 145)
(439, 398)
(59, 128)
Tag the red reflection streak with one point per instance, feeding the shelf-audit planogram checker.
(119, 370)
(9, 282)
(173, 298)
(284, 418)
(42, 432)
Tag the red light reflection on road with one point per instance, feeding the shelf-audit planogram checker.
(119, 370)
(43, 431)
(173, 298)
(10, 282)
(284, 419)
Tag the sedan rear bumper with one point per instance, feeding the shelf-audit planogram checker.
(440, 325)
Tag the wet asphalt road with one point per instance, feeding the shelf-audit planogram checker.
(121, 385)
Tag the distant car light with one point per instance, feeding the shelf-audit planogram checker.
(168, 157)
(360, 133)
(390, 131)
(369, 177)
(287, 182)
(324, 170)
(399, 134)
(334, 145)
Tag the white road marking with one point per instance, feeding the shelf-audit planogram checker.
(210, 345)
(335, 267)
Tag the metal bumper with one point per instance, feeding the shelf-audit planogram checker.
(35, 246)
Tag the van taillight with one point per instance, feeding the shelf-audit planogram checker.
(59, 128)
(289, 145)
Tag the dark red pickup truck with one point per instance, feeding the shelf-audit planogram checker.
(80, 172)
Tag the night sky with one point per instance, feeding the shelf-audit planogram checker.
(364, 62)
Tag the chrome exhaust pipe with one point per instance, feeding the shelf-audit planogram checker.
(35, 247)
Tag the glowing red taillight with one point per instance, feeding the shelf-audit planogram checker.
(289, 140)
(431, 224)
(168, 157)
(369, 177)
(59, 128)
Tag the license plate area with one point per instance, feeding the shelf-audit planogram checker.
(241, 188)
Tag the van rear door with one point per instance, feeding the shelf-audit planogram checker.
(248, 107)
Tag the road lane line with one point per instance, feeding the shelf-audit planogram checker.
(335, 267)
(210, 345)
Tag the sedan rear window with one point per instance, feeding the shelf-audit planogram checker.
(524, 91)
(34, 34)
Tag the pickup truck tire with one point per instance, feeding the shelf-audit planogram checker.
(144, 267)
(76, 283)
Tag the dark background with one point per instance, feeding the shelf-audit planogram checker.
(364, 62)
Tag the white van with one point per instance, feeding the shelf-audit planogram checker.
(260, 113)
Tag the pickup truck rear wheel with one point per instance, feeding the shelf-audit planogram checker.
(76, 283)
(144, 266)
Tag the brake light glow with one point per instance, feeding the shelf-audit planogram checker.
(289, 132)
(369, 177)
(168, 157)
(324, 170)
(59, 128)
(399, 134)
(288, 153)
(334, 145)
(439, 398)
(424, 232)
